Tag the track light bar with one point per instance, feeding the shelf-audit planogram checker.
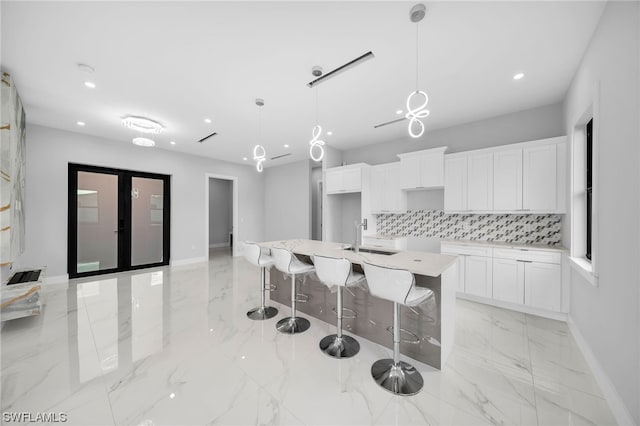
(356, 61)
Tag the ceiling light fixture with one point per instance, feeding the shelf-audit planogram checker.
(172, 142)
(244, 158)
(259, 153)
(399, 112)
(316, 151)
(414, 115)
(80, 123)
(207, 120)
(145, 142)
(142, 124)
(90, 84)
(286, 145)
(329, 133)
(518, 76)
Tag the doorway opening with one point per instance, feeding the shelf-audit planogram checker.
(222, 215)
(119, 220)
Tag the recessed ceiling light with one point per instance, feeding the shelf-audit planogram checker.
(286, 145)
(399, 112)
(518, 76)
(245, 158)
(80, 123)
(90, 84)
(172, 142)
(143, 142)
(207, 120)
(329, 133)
(142, 124)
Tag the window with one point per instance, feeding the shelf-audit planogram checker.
(589, 188)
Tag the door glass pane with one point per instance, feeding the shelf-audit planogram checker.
(97, 198)
(146, 220)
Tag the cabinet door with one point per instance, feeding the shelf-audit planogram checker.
(394, 199)
(455, 184)
(352, 180)
(333, 182)
(507, 180)
(432, 171)
(542, 285)
(480, 182)
(410, 174)
(539, 178)
(508, 280)
(478, 275)
(377, 191)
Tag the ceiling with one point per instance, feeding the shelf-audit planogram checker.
(180, 62)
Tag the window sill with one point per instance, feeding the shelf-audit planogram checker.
(584, 268)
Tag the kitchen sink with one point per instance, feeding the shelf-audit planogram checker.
(372, 251)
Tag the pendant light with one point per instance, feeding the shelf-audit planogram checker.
(414, 114)
(316, 150)
(259, 153)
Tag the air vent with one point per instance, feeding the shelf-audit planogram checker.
(280, 156)
(389, 122)
(207, 137)
(341, 68)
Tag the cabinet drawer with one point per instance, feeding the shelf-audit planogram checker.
(528, 255)
(460, 249)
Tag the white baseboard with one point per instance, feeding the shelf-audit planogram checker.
(619, 409)
(189, 261)
(56, 279)
(559, 316)
(219, 245)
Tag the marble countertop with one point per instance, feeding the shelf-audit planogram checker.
(420, 263)
(505, 244)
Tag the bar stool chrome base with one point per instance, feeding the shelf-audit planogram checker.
(339, 347)
(293, 325)
(400, 379)
(262, 313)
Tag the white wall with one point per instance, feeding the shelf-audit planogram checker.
(50, 150)
(220, 211)
(522, 126)
(287, 201)
(608, 316)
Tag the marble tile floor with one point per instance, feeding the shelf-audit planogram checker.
(172, 346)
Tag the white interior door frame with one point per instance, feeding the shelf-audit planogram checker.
(235, 228)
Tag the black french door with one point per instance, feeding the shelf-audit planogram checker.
(118, 220)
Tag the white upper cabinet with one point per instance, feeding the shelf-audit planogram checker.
(539, 178)
(526, 177)
(455, 184)
(507, 179)
(422, 169)
(480, 181)
(386, 194)
(345, 179)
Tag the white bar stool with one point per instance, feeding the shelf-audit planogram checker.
(398, 286)
(337, 272)
(253, 253)
(287, 262)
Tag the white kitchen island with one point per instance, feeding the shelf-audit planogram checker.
(433, 321)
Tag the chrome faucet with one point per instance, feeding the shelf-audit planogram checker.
(363, 225)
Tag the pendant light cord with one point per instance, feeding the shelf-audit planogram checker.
(317, 105)
(417, 24)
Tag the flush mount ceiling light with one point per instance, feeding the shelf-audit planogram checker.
(518, 76)
(207, 120)
(80, 123)
(414, 114)
(90, 84)
(142, 124)
(172, 142)
(259, 153)
(143, 142)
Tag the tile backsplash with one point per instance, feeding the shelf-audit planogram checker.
(525, 228)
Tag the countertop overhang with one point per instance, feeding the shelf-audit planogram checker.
(420, 263)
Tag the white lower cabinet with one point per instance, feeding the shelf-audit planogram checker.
(529, 278)
(542, 286)
(478, 273)
(508, 280)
